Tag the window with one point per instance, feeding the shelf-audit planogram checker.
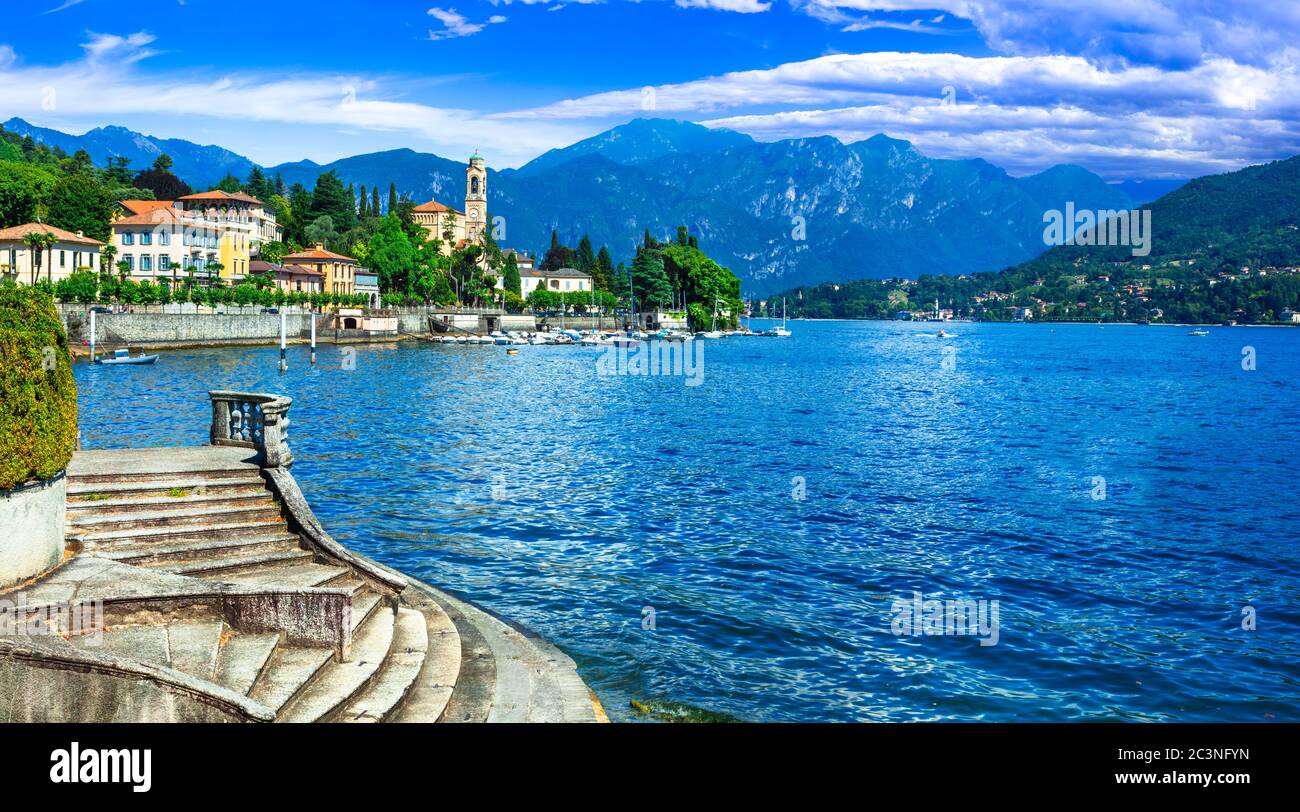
(297, 284)
(164, 237)
(63, 259)
(146, 238)
(130, 262)
(146, 263)
(164, 263)
(128, 238)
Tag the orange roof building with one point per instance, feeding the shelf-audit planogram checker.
(68, 253)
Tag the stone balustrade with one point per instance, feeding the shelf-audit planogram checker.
(253, 420)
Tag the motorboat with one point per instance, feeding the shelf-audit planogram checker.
(123, 357)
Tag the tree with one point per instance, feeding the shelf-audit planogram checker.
(391, 255)
(106, 258)
(585, 258)
(229, 184)
(511, 280)
(22, 188)
(321, 230)
(163, 184)
(79, 204)
(558, 256)
(38, 243)
(374, 202)
(392, 198)
(163, 163)
(649, 279)
(330, 198)
(603, 276)
(258, 185)
(363, 204)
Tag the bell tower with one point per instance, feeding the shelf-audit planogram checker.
(475, 199)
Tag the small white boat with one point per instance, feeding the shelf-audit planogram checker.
(121, 357)
(1199, 333)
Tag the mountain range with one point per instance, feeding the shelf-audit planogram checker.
(780, 214)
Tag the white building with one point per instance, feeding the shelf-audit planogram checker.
(68, 253)
(561, 280)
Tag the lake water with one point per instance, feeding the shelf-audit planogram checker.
(1124, 493)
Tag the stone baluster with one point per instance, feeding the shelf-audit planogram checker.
(253, 420)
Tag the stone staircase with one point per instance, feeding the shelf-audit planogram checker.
(208, 516)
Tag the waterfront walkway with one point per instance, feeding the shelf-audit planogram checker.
(225, 600)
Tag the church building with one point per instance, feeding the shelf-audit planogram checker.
(464, 227)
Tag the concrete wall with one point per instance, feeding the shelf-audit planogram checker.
(31, 528)
(145, 329)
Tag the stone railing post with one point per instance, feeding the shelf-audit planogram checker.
(253, 420)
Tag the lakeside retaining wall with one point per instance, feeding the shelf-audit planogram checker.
(156, 329)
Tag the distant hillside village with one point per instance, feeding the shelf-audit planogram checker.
(127, 237)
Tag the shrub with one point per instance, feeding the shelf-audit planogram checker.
(38, 395)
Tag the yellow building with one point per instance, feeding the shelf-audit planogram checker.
(340, 272)
(192, 235)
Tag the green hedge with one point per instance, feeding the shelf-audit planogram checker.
(38, 406)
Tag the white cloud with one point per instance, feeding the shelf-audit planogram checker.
(457, 25)
(66, 5)
(1021, 112)
(130, 48)
(741, 6)
(105, 88)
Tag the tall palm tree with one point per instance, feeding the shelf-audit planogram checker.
(106, 259)
(38, 243)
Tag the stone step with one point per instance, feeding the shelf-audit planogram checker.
(347, 580)
(216, 566)
(188, 516)
(512, 696)
(428, 699)
(190, 646)
(242, 496)
(84, 493)
(406, 658)
(286, 575)
(575, 696)
(114, 477)
(176, 535)
(339, 682)
(243, 658)
(363, 605)
(147, 554)
(288, 671)
(194, 645)
(475, 683)
(145, 643)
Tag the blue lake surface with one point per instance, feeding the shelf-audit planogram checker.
(964, 467)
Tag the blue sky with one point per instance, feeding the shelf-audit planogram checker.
(1128, 88)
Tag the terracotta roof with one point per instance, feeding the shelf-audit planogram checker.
(435, 206)
(262, 266)
(142, 206)
(217, 194)
(151, 217)
(317, 254)
(16, 234)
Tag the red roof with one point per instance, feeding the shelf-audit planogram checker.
(16, 234)
(218, 195)
(436, 207)
(142, 206)
(150, 217)
(317, 253)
